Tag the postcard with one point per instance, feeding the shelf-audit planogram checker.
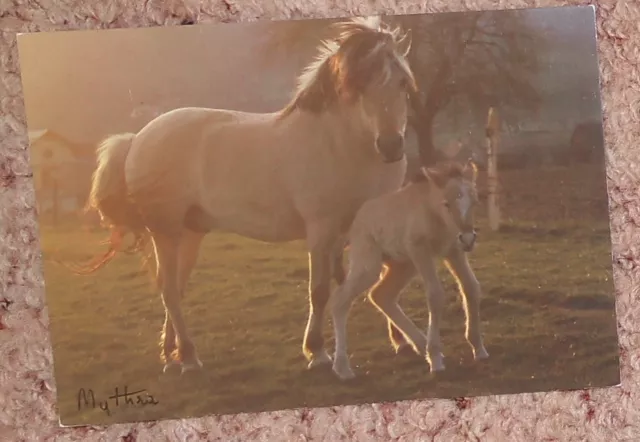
(305, 213)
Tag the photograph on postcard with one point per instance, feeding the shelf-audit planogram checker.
(307, 213)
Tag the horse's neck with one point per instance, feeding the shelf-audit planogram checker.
(345, 133)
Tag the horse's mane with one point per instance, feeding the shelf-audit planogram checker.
(345, 66)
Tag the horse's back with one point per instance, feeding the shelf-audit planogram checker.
(162, 169)
(170, 141)
(207, 165)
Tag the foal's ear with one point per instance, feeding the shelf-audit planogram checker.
(470, 170)
(421, 176)
(437, 176)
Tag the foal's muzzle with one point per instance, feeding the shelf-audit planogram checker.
(391, 147)
(467, 240)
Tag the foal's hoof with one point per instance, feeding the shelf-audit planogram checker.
(191, 366)
(171, 367)
(436, 364)
(319, 360)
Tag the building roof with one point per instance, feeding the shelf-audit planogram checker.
(35, 135)
(78, 150)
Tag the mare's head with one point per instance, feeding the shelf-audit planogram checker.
(458, 184)
(366, 71)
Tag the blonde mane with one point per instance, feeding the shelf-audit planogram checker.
(344, 66)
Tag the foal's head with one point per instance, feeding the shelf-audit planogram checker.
(365, 69)
(458, 184)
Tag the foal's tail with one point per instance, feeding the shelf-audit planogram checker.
(109, 197)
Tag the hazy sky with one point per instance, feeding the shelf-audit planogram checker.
(88, 84)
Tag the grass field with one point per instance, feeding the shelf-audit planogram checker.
(547, 315)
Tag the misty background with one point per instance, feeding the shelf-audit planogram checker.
(538, 67)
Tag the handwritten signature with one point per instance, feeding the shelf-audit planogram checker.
(138, 398)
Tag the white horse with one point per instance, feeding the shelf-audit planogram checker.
(408, 231)
(299, 173)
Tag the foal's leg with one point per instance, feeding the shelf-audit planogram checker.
(469, 288)
(167, 252)
(321, 240)
(425, 263)
(188, 255)
(385, 297)
(362, 275)
(398, 341)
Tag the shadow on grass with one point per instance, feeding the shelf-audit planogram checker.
(555, 231)
(589, 302)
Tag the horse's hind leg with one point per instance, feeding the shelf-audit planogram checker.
(188, 255)
(469, 288)
(167, 252)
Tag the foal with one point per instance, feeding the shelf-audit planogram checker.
(407, 231)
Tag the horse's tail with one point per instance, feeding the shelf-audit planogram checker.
(109, 197)
(108, 194)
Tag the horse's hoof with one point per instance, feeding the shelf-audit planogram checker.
(481, 354)
(320, 360)
(171, 366)
(344, 373)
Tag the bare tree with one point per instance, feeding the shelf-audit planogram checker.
(476, 60)
(473, 60)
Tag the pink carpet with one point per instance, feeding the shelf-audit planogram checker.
(27, 398)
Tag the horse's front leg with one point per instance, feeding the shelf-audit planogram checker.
(424, 261)
(469, 288)
(321, 240)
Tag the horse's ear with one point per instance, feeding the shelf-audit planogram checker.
(404, 44)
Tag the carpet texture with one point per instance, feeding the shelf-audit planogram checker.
(27, 386)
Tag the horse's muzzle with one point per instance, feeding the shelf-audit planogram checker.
(467, 240)
(391, 147)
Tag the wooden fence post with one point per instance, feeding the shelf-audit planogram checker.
(493, 139)
(55, 202)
